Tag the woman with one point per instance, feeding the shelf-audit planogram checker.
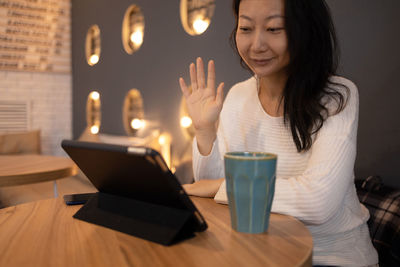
(295, 107)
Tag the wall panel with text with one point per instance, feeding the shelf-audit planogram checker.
(34, 35)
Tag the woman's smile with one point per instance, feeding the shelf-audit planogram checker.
(261, 62)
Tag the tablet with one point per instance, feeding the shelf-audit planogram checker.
(138, 173)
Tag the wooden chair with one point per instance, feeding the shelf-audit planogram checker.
(20, 143)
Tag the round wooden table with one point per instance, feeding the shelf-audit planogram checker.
(26, 169)
(44, 233)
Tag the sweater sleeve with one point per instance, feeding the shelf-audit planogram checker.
(317, 194)
(210, 166)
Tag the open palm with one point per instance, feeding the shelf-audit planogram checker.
(203, 101)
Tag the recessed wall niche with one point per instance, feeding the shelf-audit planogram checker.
(93, 45)
(196, 15)
(132, 113)
(93, 112)
(132, 29)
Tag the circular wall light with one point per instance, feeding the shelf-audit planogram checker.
(132, 29)
(196, 15)
(93, 112)
(132, 112)
(93, 45)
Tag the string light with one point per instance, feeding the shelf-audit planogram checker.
(165, 147)
(137, 37)
(94, 59)
(186, 122)
(94, 95)
(200, 25)
(162, 140)
(137, 124)
(94, 129)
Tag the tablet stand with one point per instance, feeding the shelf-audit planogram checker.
(157, 223)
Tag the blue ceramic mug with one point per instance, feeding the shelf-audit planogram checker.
(250, 186)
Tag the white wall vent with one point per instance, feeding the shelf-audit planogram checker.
(14, 116)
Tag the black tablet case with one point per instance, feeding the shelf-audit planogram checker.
(160, 224)
(163, 218)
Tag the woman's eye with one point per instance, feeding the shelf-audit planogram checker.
(274, 30)
(244, 29)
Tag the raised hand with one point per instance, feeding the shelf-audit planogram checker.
(204, 102)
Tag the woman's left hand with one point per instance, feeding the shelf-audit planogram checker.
(203, 188)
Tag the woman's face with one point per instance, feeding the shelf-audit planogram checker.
(261, 37)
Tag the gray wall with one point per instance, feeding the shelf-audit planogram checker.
(154, 69)
(368, 32)
(370, 41)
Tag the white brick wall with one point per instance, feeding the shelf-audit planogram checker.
(50, 96)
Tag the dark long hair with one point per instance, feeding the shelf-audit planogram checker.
(314, 56)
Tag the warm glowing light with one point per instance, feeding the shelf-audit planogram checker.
(94, 59)
(186, 122)
(94, 95)
(137, 37)
(162, 139)
(137, 124)
(94, 129)
(165, 147)
(200, 25)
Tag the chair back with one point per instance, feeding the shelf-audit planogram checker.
(383, 203)
(20, 143)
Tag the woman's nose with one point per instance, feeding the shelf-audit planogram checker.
(260, 42)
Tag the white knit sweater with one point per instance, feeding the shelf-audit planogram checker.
(316, 187)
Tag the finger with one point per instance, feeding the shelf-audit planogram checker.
(193, 76)
(184, 88)
(220, 94)
(187, 188)
(200, 74)
(211, 75)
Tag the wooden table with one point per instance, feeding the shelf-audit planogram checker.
(26, 169)
(44, 233)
